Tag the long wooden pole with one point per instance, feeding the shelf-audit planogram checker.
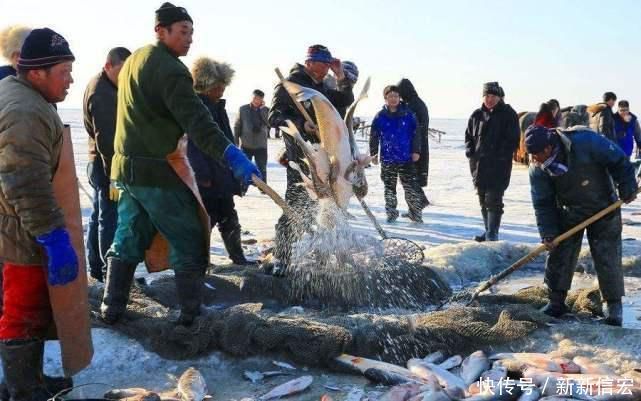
(542, 248)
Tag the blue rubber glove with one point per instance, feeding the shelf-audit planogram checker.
(62, 265)
(240, 165)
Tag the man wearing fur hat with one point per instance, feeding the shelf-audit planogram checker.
(11, 40)
(35, 244)
(157, 104)
(216, 183)
(575, 174)
(491, 138)
(602, 117)
(317, 64)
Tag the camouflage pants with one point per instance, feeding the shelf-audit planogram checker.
(604, 238)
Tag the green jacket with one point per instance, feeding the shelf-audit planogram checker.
(30, 145)
(156, 106)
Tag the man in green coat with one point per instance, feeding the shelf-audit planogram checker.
(156, 106)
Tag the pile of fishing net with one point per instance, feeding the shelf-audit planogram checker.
(238, 325)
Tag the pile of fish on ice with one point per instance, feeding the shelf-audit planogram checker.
(499, 377)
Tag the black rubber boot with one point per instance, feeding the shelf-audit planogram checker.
(22, 366)
(189, 288)
(613, 313)
(556, 307)
(493, 225)
(117, 285)
(392, 215)
(234, 247)
(481, 237)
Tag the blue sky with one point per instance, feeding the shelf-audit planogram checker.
(571, 50)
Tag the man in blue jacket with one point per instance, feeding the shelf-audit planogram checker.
(627, 129)
(575, 174)
(395, 129)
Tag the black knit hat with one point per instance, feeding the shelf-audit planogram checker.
(168, 14)
(537, 137)
(492, 88)
(44, 48)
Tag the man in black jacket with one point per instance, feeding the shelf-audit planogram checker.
(99, 108)
(419, 108)
(317, 64)
(491, 138)
(602, 117)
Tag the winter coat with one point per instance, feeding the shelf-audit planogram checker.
(7, 71)
(491, 138)
(418, 106)
(627, 133)
(283, 108)
(156, 106)
(251, 128)
(30, 145)
(602, 120)
(594, 165)
(99, 109)
(214, 177)
(397, 134)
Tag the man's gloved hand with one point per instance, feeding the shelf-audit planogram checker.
(62, 266)
(240, 165)
(114, 193)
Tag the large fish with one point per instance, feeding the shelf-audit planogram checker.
(589, 367)
(538, 360)
(192, 386)
(289, 388)
(473, 366)
(402, 392)
(377, 370)
(359, 181)
(334, 142)
(454, 385)
(451, 362)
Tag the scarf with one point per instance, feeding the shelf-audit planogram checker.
(553, 165)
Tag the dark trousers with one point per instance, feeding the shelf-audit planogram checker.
(604, 238)
(414, 195)
(288, 230)
(222, 212)
(103, 219)
(491, 200)
(260, 158)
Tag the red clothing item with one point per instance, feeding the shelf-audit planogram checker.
(545, 119)
(26, 312)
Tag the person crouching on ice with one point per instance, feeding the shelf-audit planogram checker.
(574, 176)
(394, 128)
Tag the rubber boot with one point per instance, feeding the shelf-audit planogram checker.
(234, 248)
(493, 225)
(22, 366)
(117, 285)
(613, 313)
(189, 289)
(481, 237)
(556, 307)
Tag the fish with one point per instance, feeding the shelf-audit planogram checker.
(253, 376)
(541, 361)
(359, 183)
(288, 388)
(530, 394)
(363, 364)
(283, 365)
(493, 375)
(334, 141)
(587, 366)
(451, 382)
(402, 392)
(355, 394)
(436, 394)
(434, 357)
(383, 377)
(451, 362)
(505, 390)
(473, 366)
(192, 386)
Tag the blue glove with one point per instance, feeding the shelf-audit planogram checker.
(62, 266)
(241, 167)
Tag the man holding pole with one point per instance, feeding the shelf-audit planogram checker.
(575, 174)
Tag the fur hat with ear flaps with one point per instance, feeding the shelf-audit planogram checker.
(11, 40)
(208, 73)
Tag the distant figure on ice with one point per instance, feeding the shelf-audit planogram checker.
(317, 64)
(11, 40)
(575, 174)
(628, 131)
(419, 108)
(491, 138)
(35, 243)
(602, 118)
(395, 129)
(251, 130)
(99, 110)
(216, 183)
(157, 105)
